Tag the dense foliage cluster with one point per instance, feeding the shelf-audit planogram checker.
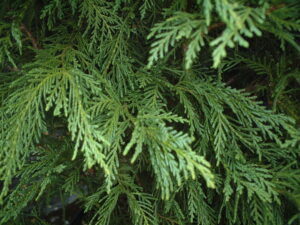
(154, 112)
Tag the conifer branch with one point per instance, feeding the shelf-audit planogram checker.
(154, 135)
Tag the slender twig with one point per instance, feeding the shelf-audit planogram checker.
(215, 26)
(231, 80)
(30, 36)
(275, 7)
(168, 219)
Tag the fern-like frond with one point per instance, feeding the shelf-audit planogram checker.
(174, 29)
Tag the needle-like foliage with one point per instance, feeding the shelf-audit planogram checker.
(152, 112)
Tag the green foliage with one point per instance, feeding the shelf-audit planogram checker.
(181, 25)
(150, 112)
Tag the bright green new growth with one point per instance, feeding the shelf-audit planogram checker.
(153, 131)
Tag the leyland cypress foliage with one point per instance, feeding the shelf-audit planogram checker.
(150, 112)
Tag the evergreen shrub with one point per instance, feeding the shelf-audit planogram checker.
(153, 112)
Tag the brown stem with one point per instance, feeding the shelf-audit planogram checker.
(215, 26)
(30, 36)
(231, 80)
(275, 7)
(168, 219)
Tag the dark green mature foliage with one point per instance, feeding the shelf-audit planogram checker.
(150, 112)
